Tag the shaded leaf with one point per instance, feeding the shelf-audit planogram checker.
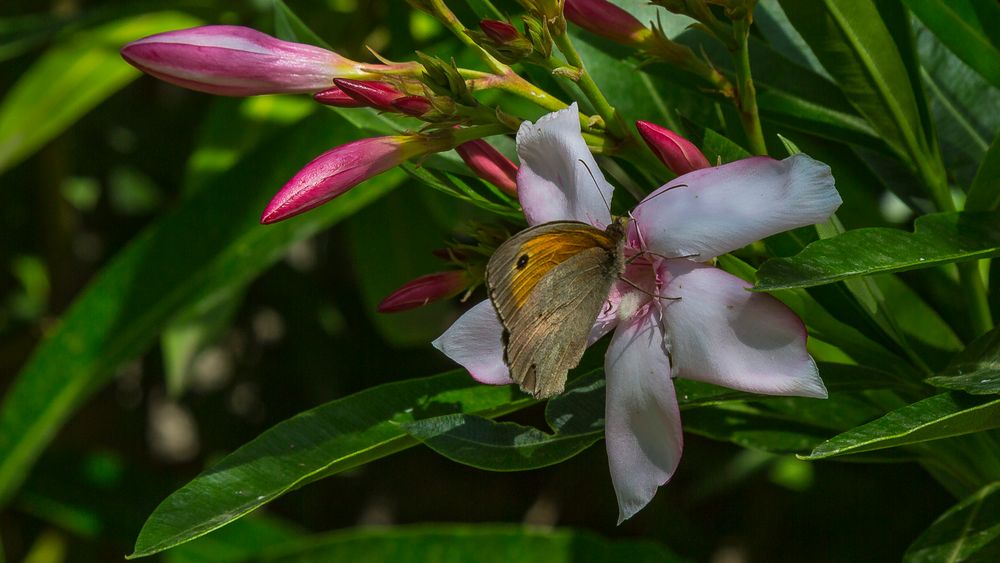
(852, 42)
(961, 36)
(984, 194)
(976, 370)
(459, 543)
(71, 78)
(940, 238)
(941, 416)
(316, 443)
(968, 531)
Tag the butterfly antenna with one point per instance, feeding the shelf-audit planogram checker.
(596, 185)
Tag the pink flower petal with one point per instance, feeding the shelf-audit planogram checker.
(723, 208)
(473, 341)
(723, 334)
(552, 183)
(642, 418)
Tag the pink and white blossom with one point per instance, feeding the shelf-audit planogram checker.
(704, 324)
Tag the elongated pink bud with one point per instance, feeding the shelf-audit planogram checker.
(412, 105)
(238, 61)
(337, 98)
(424, 290)
(603, 18)
(489, 164)
(678, 153)
(500, 32)
(370, 92)
(340, 169)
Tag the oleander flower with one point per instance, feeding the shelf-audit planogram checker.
(687, 318)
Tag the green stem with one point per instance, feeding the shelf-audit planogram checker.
(612, 120)
(451, 21)
(746, 95)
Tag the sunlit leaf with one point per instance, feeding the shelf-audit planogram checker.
(940, 416)
(940, 238)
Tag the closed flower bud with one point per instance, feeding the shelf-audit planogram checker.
(341, 168)
(237, 61)
(424, 290)
(412, 105)
(490, 165)
(370, 92)
(499, 32)
(338, 98)
(679, 154)
(603, 18)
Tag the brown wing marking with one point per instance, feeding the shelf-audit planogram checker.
(547, 336)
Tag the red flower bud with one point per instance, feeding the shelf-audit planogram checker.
(498, 31)
(412, 105)
(679, 154)
(489, 164)
(370, 92)
(337, 98)
(603, 18)
(424, 290)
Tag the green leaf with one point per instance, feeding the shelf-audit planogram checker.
(852, 42)
(940, 416)
(576, 417)
(956, 95)
(968, 531)
(243, 540)
(71, 78)
(961, 36)
(316, 443)
(498, 446)
(187, 255)
(459, 543)
(940, 238)
(751, 427)
(984, 194)
(976, 370)
(290, 27)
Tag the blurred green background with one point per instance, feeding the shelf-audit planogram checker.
(305, 332)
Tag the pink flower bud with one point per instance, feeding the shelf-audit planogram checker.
(340, 169)
(237, 61)
(679, 154)
(489, 164)
(424, 290)
(337, 98)
(603, 18)
(412, 105)
(499, 32)
(370, 92)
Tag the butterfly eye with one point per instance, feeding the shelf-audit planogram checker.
(522, 261)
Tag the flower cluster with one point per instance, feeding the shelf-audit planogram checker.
(673, 315)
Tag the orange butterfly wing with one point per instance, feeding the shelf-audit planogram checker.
(548, 284)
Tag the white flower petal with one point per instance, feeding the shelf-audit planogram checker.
(552, 183)
(474, 341)
(723, 334)
(715, 210)
(642, 419)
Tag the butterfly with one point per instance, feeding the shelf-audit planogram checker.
(548, 284)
